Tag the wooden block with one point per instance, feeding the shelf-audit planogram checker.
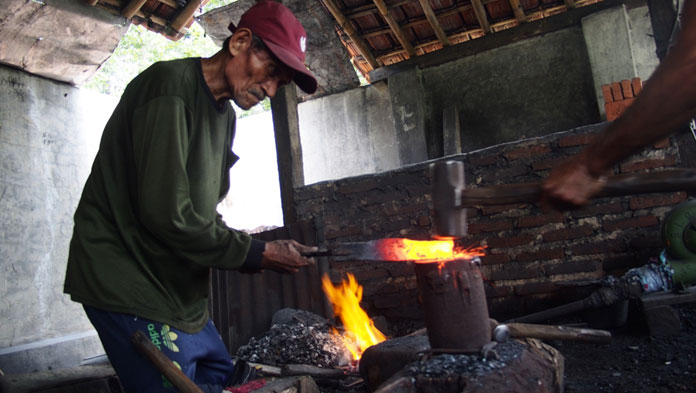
(606, 91)
(637, 85)
(662, 321)
(626, 88)
(616, 91)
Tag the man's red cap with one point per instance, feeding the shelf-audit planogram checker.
(284, 36)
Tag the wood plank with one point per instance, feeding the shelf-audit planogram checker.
(570, 3)
(185, 15)
(480, 12)
(434, 22)
(347, 26)
(288, 148)
(396, 29)
(658, 299)
(132, 8)
(518, 11)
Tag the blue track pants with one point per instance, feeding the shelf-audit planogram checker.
(201, 356)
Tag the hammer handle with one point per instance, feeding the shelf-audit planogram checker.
(561, 333)
(619, 185)
(163, 364)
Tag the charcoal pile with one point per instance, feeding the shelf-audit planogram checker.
(446, 365)
(297, 337)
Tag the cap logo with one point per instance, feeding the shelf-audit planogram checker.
(303, 44)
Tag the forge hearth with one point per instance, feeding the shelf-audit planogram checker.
(407, 365)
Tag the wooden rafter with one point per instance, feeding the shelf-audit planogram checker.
(184, 16)
(347, 26)
(570, 4)
(132, 8)
(480, 12)
(518, 11)
(396, 29)
(434, 23)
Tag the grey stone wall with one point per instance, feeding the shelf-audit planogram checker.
(49, 133)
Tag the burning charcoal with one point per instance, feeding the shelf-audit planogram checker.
(297, 343)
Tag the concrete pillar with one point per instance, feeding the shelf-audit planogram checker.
(407, 97)
(620, 46)
(608, 39)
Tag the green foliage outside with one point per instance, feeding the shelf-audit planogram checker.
(139, 48)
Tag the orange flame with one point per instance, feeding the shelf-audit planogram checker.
(361, 332)
(425, 251)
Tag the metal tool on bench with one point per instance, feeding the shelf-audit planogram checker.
(451, 198)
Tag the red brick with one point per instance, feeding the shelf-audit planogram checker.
(360, 186)
(653, 163)
(527, 152)
(510, 241)
(663, 144)
(597, 210)
(423, 221)
(539, 220)
(333, 232)
(489, 226)
(547, 164)
(498, 291)
(554, 253)
(571, 267)
(514, 271)
(534, 288)
(495, 259)
(575, 140)
(483, 160)
(568, 233)
(644, 221)
(603, 247)
(495, 209)
(653, 201)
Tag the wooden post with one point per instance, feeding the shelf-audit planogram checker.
(288, 148)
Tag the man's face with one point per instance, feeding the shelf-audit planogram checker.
(255, 75)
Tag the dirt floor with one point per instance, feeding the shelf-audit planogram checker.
(635, 361)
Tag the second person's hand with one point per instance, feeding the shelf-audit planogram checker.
(285, 256)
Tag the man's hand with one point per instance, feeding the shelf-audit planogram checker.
(284, 256)
(571, 184)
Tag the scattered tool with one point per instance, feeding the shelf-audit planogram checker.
(163, 364)
(503, 332)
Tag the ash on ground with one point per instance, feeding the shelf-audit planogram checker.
(446, 365)
(297, 338)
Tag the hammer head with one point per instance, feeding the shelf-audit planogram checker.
(447, 186)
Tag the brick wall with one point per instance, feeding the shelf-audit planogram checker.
(529, 250)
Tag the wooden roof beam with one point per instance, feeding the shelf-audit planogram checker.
(396, 29)
(480, 12)
(434, 23)
(184, 16)
(347, 26)
(132, 8)
(518, 11)
(570, 4)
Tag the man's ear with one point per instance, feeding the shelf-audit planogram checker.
(240, 41)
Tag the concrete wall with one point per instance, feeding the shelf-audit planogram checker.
(348, 134)
(49, 133)
(526, 89)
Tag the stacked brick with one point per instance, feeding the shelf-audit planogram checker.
(532, 254)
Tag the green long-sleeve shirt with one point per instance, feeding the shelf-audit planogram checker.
(146, 229)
